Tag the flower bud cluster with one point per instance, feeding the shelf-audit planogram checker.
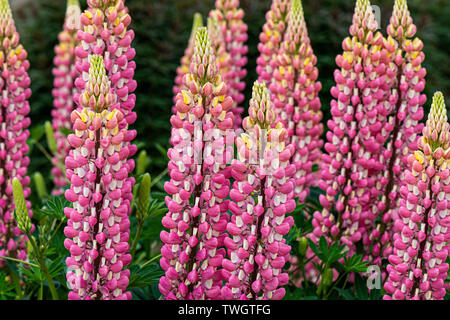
(271, 37)
(199, 181)
(418, 267)
(98, 228)
(14, 123)
(262, 194)
(234, 31)
(64, 88)
(295, 90)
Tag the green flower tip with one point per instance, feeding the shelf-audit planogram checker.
(296, 7)
(4, 5)
(144, 197)
(21, 212)
(438, 105)
(97, 66)
(39, 182)
(73, 3)
(50, 134)
(142, 162)
(198, 22)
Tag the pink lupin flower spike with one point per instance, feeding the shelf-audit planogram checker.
(185, 61)
(295, 92)
(64, 88)
(271, 37)
(202, 137)
(234, 31)
(403, 125)
(98, 227)
(262, 195)
(105, 31)
(354, 139)
(14, 108)
(417, 268)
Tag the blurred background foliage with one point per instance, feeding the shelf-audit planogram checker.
(162, 29)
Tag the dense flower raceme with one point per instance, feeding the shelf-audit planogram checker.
(64, 87)
(403, 122)
(105, 31)
(271, 37)
(295, 92)
(234, 31)
(223, 58)
(357, 131)
(14, 108)
(101, 192)
(202, 137)
(262, 194)
(417, 267)
(185, 61)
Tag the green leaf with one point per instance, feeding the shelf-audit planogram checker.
(54, 207)
(345, 293)
(142, 277)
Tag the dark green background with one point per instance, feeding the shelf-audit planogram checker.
(162, 29)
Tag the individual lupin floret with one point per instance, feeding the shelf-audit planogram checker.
(295, 92)
(185, 61)
(271, 37)
(202, 136)
(98, 227)
(406, 100)
(262, 194)
(64, 88)
(234, 31)
(14, 108)
(418, 267)
(354, 139)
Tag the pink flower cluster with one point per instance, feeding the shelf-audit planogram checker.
(262, 194)
(98, 228)
(294, 88)
(418, 267)
(105, 31)
(405, 113)
(199, 185)
(271, 37)
(185, 61)
(234, 31)
(358, 130)
(14, 108)
(64, 88)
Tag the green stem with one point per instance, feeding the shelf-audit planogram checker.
(44, 269)
(159, 177)
(19, 261)
(136, 238)
(151, 260)
(52, 235)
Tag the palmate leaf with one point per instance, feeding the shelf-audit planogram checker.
(355, 263)
(145, 276)
(54, 207)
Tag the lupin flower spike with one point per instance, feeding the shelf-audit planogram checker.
(262, 195)
(64, 88)
(234, 31)
(199, 185)
(356, 132)
(105, 31)
(271, 37)
(21, 213)
(14, 108)
(185, 61)
(98, 227)
(295, 92)
(418, 267)
(403, 124)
